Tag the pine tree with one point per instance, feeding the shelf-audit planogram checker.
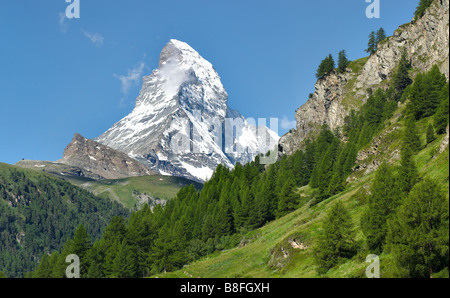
(411, 136)
(372, 44)
(408, 170)
(441, 119)
(342, 61)
(426, 94)
(430, 134)
(81, 245)
(325, 171)
(326, 66)
(401, 79)
(337, 240)
(288, 201)
(418, 235)
(44, 269)
(380, 36)
(167, 253)
(383, 202)
(95, 260)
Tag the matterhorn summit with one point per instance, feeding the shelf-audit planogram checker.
(181, 124)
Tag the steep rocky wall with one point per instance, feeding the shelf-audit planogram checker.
(426, 43)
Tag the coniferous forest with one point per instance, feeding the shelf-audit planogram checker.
(403, 213)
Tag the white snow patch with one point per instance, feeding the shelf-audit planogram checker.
(203, 173)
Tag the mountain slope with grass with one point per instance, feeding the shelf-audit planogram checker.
(136, 191)
(38, 213)
(286, 247)
(375, 182)
(131, 192)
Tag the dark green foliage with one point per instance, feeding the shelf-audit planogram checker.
(401, 79)
(337, 239)
(411, 138)
(380, 36)
(408, 170)
(418, 235)
(383, 202)
(421, 9)
(441, 118)
(431, 137)
(46, 212)
(326, 66)
(288, 201)
(343, 62)
(231, 203)
(427, 93)
(372, 44)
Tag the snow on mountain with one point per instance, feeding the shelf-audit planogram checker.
(181, 124)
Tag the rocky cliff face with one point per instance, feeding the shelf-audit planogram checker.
(426, 43)
(325, 106)
(101, 160)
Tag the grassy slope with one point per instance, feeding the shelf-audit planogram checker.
(269, 253)
(162, 187)
(121, 190)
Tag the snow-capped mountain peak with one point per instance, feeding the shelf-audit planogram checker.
(176, 125)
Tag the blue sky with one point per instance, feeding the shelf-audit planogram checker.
(61, 76)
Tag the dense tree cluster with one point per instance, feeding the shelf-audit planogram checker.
(374, 40)
(406, 216)
(427, 94)
(326, 66)
(38, 214)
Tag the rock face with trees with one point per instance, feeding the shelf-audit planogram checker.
(425, 41)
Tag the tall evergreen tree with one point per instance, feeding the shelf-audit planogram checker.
(411, 137)
(337, 240)
(425, 93)
(418, 235)
(343, 62)
(401, 79)
(380, 36)
(441, 119)
(383, 202)
(81, 245)
(288, 201)
(408, 170)
(326, 66)
(372, 44)
(431, 137)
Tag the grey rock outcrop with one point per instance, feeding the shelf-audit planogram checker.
(426, 42)
(101, 160)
